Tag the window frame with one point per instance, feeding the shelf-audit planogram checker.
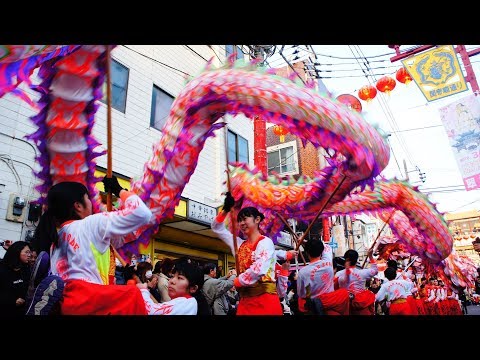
(277, 148)
(240, 54)
(104, 98)
(153, 106)
(237, 152)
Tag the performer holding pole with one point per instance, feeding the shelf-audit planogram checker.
(256, 280)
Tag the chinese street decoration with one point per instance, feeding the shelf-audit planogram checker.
(367, 93)
(351, 101)
(437, 72)
(403, 76)
(280, 131)
(386, 84)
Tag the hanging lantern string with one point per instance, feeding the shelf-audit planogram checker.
(386, 84)
(403, 76)
(357, 90)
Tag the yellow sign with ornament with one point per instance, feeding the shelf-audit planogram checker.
(437, 72)
(180, 209)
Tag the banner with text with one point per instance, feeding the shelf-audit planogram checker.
(436, 72)
(461, 120)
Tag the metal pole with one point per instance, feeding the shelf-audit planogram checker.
(408, 53)
(468, 68)
(406, 172)
(294, 223)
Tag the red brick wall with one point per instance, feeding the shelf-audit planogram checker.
(308, 159)
(307, 156)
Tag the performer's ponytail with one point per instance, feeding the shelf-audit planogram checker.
(46, 233)
(61, 199)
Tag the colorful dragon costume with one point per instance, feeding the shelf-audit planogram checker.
(457, 270)
(72, 79)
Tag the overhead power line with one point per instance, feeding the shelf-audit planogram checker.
(155, 60)
(470, 203)
(189, 48)
(420, 128)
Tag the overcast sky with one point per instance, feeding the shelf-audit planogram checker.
(406, 108)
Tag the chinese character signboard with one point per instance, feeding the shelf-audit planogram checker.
(284, 239)
(461, 120)
(436, 72)
(201, 212)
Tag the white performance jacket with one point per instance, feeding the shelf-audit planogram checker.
(317, 276)
(393, 290)
(263, 257)
(79, 240)
(178, 306)
(355, 280)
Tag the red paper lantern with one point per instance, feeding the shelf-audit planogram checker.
(386, 84)
(280, 131)
(403, 76)
(351, 101)
(367, 93)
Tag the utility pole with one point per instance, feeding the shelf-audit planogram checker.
(421, 174)
(260, 52)
(407, 179)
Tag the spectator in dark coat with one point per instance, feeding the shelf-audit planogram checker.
(14, 278)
